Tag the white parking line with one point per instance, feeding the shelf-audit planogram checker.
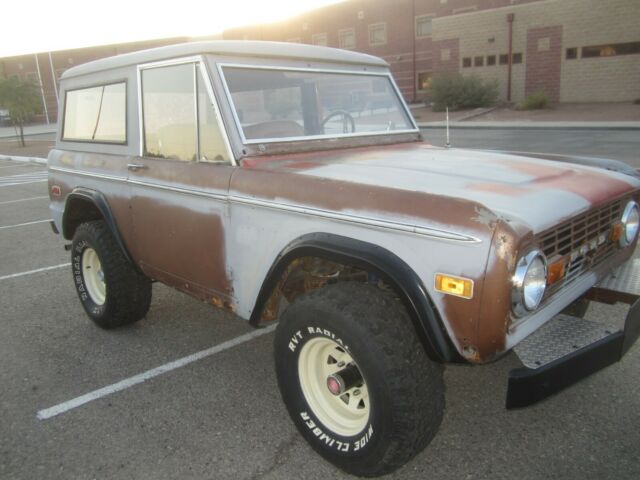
(23, 200)
(18, 165)
(149, 374)
(23, 224)
(24, 178)
(31, 272)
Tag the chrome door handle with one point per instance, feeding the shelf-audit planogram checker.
(136, 166)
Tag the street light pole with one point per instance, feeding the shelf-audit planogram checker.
(44, 101)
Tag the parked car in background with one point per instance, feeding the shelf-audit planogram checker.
(5, 118)
(290, 183)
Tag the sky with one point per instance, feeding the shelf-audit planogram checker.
(30, 26)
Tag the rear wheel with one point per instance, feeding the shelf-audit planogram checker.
(355, 379)
(111, 290)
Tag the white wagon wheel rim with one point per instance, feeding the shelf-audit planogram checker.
(346, 414)
(93, 276)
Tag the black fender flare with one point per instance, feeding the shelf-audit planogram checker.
(100, 202)
(387, 265)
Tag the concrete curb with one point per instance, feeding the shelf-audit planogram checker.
(34, 160)
(628, 126)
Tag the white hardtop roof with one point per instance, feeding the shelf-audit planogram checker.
(244, 48)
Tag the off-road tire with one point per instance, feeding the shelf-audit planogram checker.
(128, 292)
(405, 388)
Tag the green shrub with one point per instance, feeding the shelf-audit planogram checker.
(536, 101)
(457, 91)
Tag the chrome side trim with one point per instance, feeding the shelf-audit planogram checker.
(187, 191)
(70, 171)
(431, 232)
(386, 74)
(367, 221)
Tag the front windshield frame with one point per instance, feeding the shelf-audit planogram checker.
(382, 74)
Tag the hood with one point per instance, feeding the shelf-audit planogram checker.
(537, 193)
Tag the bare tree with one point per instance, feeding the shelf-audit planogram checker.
(22, 100)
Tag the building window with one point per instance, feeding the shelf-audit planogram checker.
(424, 81)
(544, 44)
(96, 114)
(466, 62)
(478, 61)
(504, 59)
(491, 60)
(517, 58)
(611, 50)
(378, 34)
(572, 53)
(347, 38)
(423, 26)
(319, 39)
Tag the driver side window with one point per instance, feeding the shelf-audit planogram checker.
(179, 120)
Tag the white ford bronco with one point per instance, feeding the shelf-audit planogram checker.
(290, 184)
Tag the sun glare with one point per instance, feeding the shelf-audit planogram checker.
(43, 26)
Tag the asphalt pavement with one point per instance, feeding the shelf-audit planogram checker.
(219, 415)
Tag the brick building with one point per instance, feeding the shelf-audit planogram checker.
(573, 50)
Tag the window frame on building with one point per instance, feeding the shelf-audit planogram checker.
(420, 18)
(316, 36)
(478, 61)
(467, 62)
(341, 36)
(492, 60)
(371, 30)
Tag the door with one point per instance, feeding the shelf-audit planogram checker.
(180, 182)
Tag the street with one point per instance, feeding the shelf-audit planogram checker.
(220, 415)
(616, 144)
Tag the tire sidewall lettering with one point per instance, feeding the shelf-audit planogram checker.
(89, 305)
(320, 433)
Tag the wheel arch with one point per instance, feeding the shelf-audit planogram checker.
(85, 205)
(371, 258)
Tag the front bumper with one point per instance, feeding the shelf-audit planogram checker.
(568, 349)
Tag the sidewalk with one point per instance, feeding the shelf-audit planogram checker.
(577, 116)
(10, 132)
(502, 125)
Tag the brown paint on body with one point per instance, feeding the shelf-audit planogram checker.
(595, 187)
(338, 195)
(181, 235)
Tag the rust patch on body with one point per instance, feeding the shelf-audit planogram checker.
(593, 186)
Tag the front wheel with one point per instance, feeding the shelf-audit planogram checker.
(355, 379)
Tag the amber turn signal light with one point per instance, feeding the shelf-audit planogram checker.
(460, 287)
(616, 232)
(556, 271)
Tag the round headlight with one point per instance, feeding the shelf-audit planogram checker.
(630, 223)
(529, 282)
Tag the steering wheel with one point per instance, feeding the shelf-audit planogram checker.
(347, 120)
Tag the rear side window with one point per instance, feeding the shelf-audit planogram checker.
(96, 114)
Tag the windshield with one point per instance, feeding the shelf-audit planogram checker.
(278, 104)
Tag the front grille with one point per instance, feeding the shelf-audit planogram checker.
(583, 241)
